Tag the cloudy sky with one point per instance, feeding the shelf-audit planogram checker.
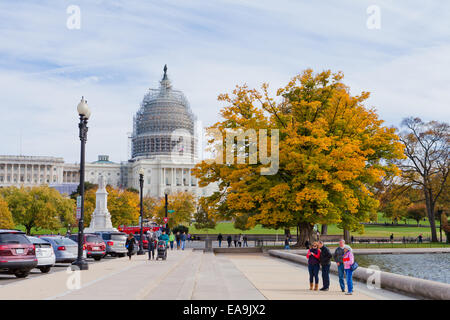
(209, 47)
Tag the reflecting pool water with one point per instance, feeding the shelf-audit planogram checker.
(430, 266)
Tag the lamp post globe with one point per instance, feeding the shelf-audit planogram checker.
(84, 112)
(83, 108)
(141, 190)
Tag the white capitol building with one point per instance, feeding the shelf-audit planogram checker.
(164, 144)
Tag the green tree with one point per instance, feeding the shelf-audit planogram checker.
(427, 163)
(416, 212)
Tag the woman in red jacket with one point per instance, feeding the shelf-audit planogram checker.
(313, 257)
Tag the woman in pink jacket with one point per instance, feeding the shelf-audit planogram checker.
(348, 260)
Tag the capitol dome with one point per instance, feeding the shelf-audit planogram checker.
(164, 124)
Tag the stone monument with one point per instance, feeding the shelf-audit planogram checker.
(101, 218)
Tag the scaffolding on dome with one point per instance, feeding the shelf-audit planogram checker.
(164, 124)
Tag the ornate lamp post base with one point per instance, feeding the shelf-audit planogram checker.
(81, 264)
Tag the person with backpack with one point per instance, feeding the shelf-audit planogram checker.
(348, 260)
(129, 244)
(325, 263)
(313, 257)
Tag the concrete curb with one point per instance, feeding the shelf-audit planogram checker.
(412, 286)
(388, 251)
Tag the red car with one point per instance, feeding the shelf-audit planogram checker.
(17, 253)
(95, 246)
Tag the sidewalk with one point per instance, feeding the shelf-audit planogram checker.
(186, 275)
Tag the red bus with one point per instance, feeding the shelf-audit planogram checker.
(137, 229)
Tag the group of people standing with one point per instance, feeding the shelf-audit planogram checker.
(179, 238)
(238, 239)
(319, 257)
(153, 237)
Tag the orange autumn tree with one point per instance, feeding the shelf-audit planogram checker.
(183, 205)
(332, 150)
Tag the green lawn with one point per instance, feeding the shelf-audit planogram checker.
(228, 228)
(370, 231)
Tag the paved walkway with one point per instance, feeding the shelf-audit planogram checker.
(184, 275)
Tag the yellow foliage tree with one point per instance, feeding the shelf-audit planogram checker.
(6, 220)
(38, 207)
(182, 203)
(332, 150)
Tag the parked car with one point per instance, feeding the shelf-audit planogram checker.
(66, 250)
(95, 246)
(115, 242)
(44, 253)
(17, 253)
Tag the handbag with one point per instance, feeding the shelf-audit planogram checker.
(354, 266)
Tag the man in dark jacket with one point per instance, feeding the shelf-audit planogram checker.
(220, 238)
(229, 239)
(338, 255)
(325, 262)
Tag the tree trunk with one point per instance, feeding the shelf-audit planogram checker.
(347, 236)
(28, 230)
(305, 233)
(324, 229)
(430, 213)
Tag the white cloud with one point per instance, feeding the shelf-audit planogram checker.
(209, 47)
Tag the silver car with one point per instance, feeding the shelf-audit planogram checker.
(115, 242)
(44, 253)
(66, 250)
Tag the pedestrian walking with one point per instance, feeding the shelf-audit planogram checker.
(286, 243)
(183, 240)
(220, 238)
(240, 240)
(129, 244)
(245, 240)
(171, 240)
(348, 260)
(391, 237)
(151, 246)
(338, 258)
(189, 237)
(235, 240)
(420, 238)
(313, 257)
(325, 263)
(229, 239)
(177, 238)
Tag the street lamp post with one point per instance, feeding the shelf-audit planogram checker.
(84, 113)
(166, 205)
(141, 185)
